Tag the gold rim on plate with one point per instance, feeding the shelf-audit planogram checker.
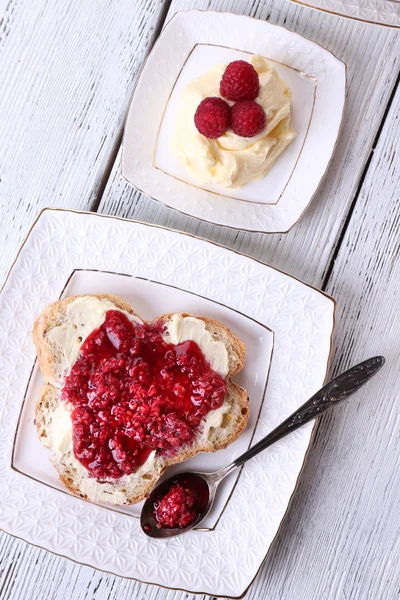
(358, 19)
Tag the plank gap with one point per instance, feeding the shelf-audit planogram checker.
(359, 186)
(107, 171)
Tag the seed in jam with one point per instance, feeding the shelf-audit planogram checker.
(133, 393)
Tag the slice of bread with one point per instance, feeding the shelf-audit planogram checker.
(133, 488)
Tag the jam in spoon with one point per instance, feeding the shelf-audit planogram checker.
(181, 502)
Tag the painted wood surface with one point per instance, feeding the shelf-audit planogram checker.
(66, 75)
(340, 538)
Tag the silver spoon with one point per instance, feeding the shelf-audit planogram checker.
(204, 485)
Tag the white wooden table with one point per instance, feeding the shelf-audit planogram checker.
(67, 70)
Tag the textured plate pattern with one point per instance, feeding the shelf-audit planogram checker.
(179, 37)
(380, 12)
(223, 561)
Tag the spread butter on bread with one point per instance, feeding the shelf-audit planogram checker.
(59, 333)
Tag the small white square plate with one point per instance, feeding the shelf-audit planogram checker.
(191, 43)
(166, 270)
(379, 12)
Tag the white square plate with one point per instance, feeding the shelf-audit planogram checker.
(379, 12)
(68, 252)
(269, 189)
(191, 43)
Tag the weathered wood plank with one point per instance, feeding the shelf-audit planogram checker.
(66, 75)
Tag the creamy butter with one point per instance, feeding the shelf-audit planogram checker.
(60, 438)
(180, 329)
(83, 315)
(214, 419)
(231, 160)
(105, 491)
(101, 492)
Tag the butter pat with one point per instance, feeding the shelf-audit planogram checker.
(60, 439)
(231, 160)
(180, 329)
(83, 315)
(214, 419)
(105, 492)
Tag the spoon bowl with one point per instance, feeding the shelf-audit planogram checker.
(204, 488)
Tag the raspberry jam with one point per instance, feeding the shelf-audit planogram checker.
(185, 499)
(176, 508)
(132, 393)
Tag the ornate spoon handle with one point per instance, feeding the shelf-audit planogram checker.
(329, 396)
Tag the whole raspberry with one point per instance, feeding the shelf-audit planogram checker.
(247, 118)
(239, 81)
(212, 117)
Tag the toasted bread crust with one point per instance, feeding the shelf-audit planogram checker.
(49, 398)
